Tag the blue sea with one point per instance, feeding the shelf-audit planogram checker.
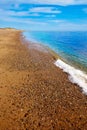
(70, 46)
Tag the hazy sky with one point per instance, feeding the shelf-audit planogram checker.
(44, 14)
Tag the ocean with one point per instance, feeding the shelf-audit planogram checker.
(71, 47)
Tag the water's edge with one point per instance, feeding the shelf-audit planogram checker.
(76, 76)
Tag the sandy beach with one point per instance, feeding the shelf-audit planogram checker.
(34, 93)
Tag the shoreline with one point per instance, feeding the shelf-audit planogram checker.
(34, 93)
(71, 61)
(44, 47)
(75, 75)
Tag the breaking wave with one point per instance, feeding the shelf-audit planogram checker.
(75, 75)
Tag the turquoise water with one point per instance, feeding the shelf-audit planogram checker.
(71, 46)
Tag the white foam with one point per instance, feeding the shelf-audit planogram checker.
(75, 75)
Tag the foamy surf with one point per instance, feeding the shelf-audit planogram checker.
(75, 75)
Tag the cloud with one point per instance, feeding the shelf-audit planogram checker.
(32, 12)
(53, 2)
(23, 21)
(57, 21)
(40, 15)
(40, 25)
(50, 16)
(50, 2)
(45, 10)
(16, 14)
(12, 13)
(13, 16)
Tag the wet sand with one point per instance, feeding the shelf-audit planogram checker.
(34, 93)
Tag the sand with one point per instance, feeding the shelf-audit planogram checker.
(34, 93)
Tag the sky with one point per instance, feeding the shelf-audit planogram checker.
(44, 15)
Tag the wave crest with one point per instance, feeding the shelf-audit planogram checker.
(75, 75)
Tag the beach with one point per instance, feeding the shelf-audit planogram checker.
(34, 93)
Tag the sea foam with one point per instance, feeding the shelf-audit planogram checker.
(75, 75)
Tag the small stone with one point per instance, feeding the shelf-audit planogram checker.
(21, 110)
